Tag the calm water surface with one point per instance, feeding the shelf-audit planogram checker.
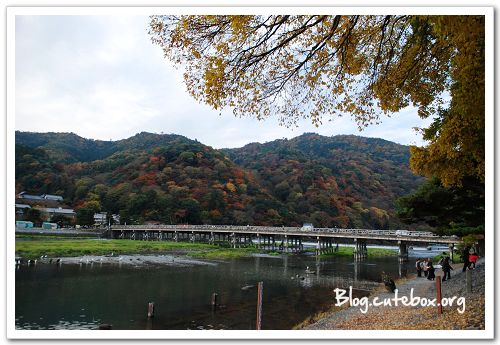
(85, 296)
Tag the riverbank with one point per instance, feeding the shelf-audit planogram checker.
(56, 247)
(416, 317)
(62, 247)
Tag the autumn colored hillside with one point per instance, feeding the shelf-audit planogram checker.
(343, 181)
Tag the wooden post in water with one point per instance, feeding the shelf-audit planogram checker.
(439, 296)
(214, 301)
(259, 305)
(151, 309)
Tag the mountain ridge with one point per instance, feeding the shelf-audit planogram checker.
(344, 180)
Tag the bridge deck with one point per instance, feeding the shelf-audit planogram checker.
(384, 235)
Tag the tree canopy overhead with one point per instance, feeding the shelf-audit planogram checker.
(322, 66)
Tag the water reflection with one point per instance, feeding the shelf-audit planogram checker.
(402, 270)
(84, 296)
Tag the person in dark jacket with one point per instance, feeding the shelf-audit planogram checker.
(430, 270)
(388, 282)
(446, 267)
(465, 258)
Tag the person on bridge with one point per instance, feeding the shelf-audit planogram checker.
(446, 267)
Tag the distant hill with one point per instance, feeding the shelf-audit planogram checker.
(343, 181)
(70, 148)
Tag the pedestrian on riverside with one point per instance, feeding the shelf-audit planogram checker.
(446, 267)
(442, 257)
(418, 267)
(472, 260)
(465, 258)
(430, 270)
(423, 264)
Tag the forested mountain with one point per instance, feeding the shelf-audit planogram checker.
(70, 148)
(343, 181)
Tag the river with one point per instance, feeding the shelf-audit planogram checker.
(83, 296)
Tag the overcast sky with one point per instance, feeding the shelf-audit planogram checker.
(101, 77)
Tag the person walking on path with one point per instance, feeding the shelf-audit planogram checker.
(443, 255)
(465, 258)
(472, 260)
(418, 267)
(446, 267)
(424, 267)
(430, 270)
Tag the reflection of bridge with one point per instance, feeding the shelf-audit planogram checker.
(287, 239)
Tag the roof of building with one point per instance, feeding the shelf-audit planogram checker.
(24, 195)
(22, 206)
(52, 197)
(58, 210)
(29, 196)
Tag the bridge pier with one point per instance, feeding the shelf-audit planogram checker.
(232, 240)
(322, 245)
(403, 252)
(360, 250)
(330, 246)
(451, 247)
(297, 244)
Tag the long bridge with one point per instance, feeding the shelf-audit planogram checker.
(287, 239)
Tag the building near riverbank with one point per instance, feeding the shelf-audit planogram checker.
(49, 212)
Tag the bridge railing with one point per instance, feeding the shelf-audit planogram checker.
(282, 229)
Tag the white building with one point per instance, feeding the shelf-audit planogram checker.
(100, 218)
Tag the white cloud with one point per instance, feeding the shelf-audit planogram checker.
(102, 78)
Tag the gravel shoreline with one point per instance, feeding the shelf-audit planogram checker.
(418, 317)
(136, 260)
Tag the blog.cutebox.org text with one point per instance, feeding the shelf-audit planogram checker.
(343, 296)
